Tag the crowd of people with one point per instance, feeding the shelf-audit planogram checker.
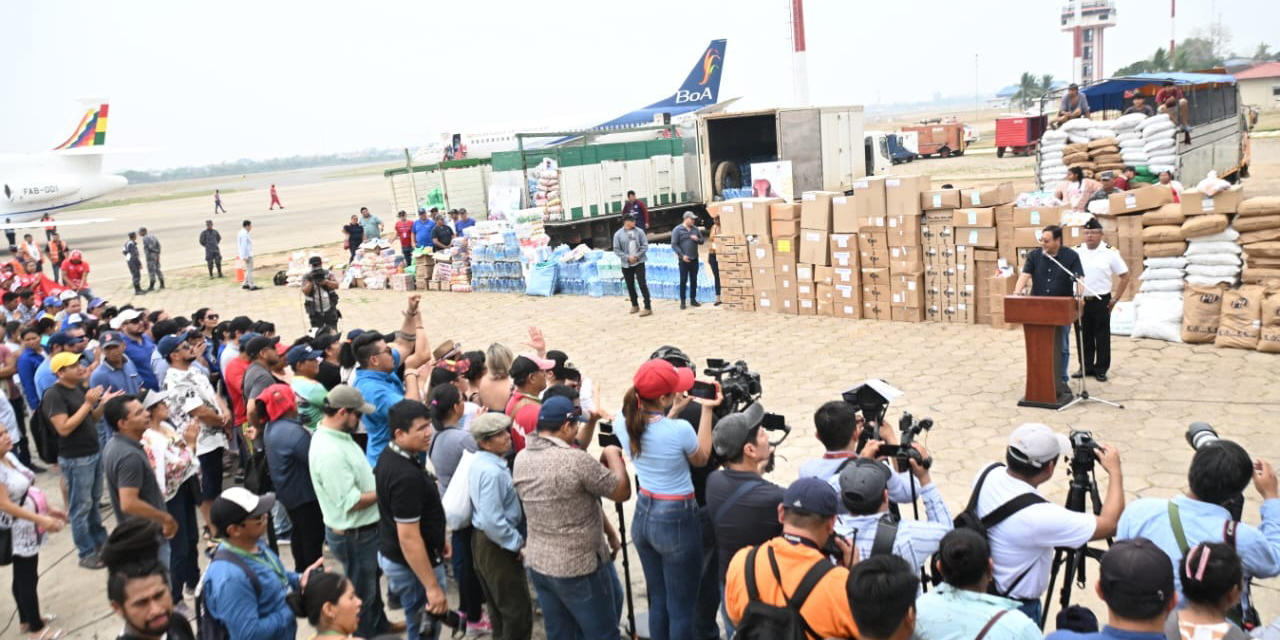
(417, 465)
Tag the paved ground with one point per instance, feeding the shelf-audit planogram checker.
(967, 378)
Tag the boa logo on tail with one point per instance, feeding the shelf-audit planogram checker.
(709, 65)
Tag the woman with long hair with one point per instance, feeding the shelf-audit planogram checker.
(495, 388)
(332, 606)
(25, 513)
(172, 451)
(666, 526)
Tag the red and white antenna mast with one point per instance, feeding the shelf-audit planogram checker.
(799, 65)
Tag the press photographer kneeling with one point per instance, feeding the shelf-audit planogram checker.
(1210, 511)
(320, 289)
(1022, 543)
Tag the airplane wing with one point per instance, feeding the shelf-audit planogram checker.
(717, 107)
(39, 224)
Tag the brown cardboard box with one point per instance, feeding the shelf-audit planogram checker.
(786, 286)
(1036, 216)
(826, 309)
(874, 258)
(1072, 236)
(765, 300)
(906, 284)
(940, 199)
(1140, 199)
(823, 275)
(1026, 236)
(874, 276)
(866, 203)
(786, 245)
(804, 273)
(974, 217)
(869, 240)
(847, 310)
(844, 242)
(906, 314)
(806, 289)
(784, 228)
(879, 293)
(976, 237)
(846, 276)
(760, 254)
(786, 305)
(845, 258)
(755, 216)
(875, 310)
(843, 293)
(904, 231)
(825, 292)
(937, 234)
(806, 307)
(815, 247)
(906, 260)
(902, 194)
(815, 209)
(730, 217)
(784, 211)
(742, 305)
(987, 195)
(763, 278)
(785, 264)
(1195, 203)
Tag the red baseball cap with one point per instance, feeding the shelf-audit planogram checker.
(657, 378)
(278, 399)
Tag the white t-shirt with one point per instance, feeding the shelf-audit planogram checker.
(1026, 540)
(1101, 265)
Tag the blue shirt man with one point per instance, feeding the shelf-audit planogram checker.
(138, 346)
(28, 362)
(251, 608)
(495, 504)
(115, 373)
(381, 388)
(422, 228)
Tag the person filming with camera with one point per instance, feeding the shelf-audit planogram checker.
(1022, 543)
(840, 429)
(1210, 509)
(321, 303)
(864, 490)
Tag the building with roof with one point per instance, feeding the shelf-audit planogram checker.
(1260, 85)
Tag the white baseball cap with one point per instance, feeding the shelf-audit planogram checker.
(125, 316)
(66, 295)
(1037, 443)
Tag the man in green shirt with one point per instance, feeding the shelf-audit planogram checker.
(345, 489)
(310, 394)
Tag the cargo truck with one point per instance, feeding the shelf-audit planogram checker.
(943, 139)
(1219, 122)
(685, 169)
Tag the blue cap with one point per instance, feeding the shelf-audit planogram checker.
(52, 301)
(246, 337)
(354, 333)
(813, 495)
(556, 411)
(111, 339)
(59, 339)
(96, 302)
(301, 352)
(167, 344)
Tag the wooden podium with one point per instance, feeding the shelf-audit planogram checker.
(1043, 320)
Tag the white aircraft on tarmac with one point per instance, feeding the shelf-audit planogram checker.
(35, 184)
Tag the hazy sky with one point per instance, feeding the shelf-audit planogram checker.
(212, 81)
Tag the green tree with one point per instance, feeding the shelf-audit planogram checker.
(1263, 52)
(1159, 60)
(1028, 90)
(1194, 54)
(1046, 84)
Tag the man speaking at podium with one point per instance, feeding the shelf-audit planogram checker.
(1050, 279)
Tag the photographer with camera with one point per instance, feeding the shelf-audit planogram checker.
(840, 430)
(864, 491)
(1210, 510)
(1022, 543)
(319, 286)
(743, 505)
(247, 589)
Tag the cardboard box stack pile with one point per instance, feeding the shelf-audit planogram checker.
(755, 234)
(736, 291)
(784, 220)
(1124, 227)
(890, 253)
(961, 231)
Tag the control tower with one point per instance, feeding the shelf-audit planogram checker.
(1086, 19)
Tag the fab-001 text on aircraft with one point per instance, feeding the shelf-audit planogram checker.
(698, 94)
(35, 184)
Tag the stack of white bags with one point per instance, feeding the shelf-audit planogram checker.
(1213, 259)
(1051, 168)
(1131, 140)
(1159, 143)
(1158, 305)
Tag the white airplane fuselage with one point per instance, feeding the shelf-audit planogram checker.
(46, 183)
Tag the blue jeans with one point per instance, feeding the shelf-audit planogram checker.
(1032, 609)
(84, 491)
(585, 607)
(668, 539)
(1066, 352)
(724, 614)
(402, 581)
(185, 546)
(357, 550)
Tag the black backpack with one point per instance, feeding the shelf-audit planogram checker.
(762, 621)
(968, 519)
(207, 626)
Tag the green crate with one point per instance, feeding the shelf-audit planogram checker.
(611, 151)
(659, 147)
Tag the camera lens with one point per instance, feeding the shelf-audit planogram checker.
(1200, 434)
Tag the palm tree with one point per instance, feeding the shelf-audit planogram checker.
(1046, 84)
(1027, 90)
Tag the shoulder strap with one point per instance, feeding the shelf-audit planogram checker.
(1018, 503)
(806, 586)
(734, 497)
(990, 623)
(1175, 520)
(886, 533)
(223, 554)
(749, 569)
(977, 488)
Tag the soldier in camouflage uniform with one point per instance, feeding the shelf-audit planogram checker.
(151, 247)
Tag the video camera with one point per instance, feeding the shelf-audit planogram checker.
(605, 435)
(738, 383)
(1082, 447)
(872, 398)
(905, 453)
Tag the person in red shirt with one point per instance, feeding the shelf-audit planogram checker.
(1122, 181)
(404, 230)
(275, 199)
(1171, 101)
(530, 375)
(75, 274)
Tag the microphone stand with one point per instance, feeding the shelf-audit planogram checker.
(1083, 396)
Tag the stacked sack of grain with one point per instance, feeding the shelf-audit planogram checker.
(1104, 147)
(1258, 221)
(1162, 232)
(1052, 169)
(1159, 143)
(1130, 140)
(1212, 258)
(1158, 305)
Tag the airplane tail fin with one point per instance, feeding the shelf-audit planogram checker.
(702, 87)
(91, 132)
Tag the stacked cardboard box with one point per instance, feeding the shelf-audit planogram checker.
(786, 254)
(1122, 229)
(997, 288)
(893, 284)
(744, 230)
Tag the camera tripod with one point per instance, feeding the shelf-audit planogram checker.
(1083, 396)
(1082, 485)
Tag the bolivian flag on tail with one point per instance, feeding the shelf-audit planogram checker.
(91, 132)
